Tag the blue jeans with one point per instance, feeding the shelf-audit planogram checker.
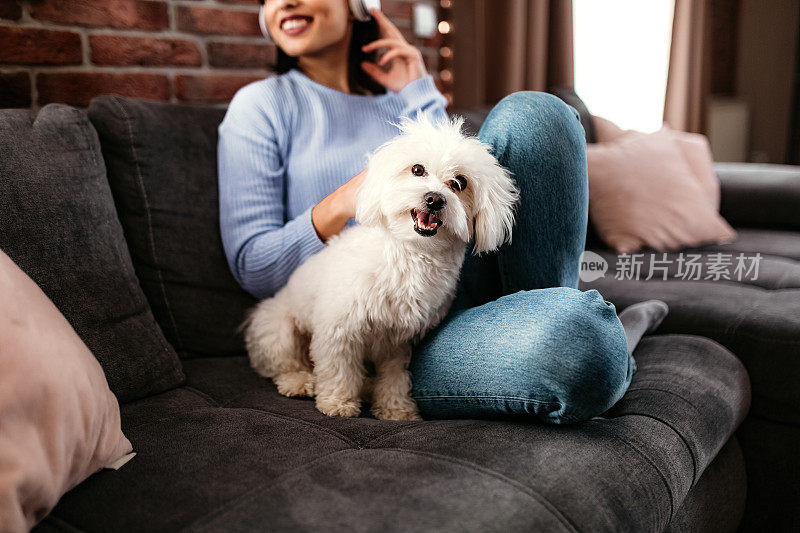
(520, 340)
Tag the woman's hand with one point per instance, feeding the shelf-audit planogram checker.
(406, 61)
(331, 214)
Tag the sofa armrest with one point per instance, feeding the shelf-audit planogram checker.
(760, 195)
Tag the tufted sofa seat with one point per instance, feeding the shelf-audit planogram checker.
(226, 452)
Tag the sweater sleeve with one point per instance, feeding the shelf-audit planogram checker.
(421, 94)
(261, 248)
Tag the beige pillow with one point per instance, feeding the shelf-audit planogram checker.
(697, 152)
(643, 191)
(605, 130)
(59, 421)
(694, 146)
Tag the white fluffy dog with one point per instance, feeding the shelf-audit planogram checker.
(379, 286)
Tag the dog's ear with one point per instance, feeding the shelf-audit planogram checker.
(368, 198)
(497, 198)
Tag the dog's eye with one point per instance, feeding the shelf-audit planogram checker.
(459, 183)
(418, 170)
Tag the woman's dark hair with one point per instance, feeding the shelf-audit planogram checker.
(360, 82)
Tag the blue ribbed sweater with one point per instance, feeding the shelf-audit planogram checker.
(285, 143)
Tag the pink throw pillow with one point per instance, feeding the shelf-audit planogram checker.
(59, 421)
(694, 146)
(643, 192)
(697, 152)
(605, 130)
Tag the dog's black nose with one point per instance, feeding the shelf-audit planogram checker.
(434, 201)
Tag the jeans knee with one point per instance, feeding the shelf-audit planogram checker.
(550, 121)
(600, 367)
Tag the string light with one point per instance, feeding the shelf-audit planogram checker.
(445, 28)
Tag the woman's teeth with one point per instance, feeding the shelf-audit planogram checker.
(294, 23)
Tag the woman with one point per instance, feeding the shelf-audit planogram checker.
(519, 338)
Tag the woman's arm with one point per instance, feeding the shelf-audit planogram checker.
(402, 70)
(262, 250)
(422, 94)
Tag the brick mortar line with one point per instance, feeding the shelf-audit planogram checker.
(164, 33)
(136, 69)
(173, 88)
(31, 71)
(179, 35)
(124, 32)
(85, 54)
(26, 16)
(245, 8)
(171, 16)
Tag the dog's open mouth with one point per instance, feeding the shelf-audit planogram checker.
(425, 223)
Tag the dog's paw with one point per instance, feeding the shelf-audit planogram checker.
(396, 412)
(347, 408)
(295, 383)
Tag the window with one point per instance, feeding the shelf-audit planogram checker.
(622, 59)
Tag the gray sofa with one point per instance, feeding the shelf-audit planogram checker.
(113, 212)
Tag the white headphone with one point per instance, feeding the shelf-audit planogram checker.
(360, 9)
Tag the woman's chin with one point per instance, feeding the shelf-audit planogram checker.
(292, 48)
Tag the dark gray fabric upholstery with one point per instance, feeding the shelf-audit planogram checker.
(765, 195)
(716, 503)
(773, 474)
(758, 320)
(227, 453)
(58, 223)
(473, 118)
(782, 246)
(162, 167)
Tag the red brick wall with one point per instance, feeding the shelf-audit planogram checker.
(173, 50)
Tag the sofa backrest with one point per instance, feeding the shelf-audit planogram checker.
(59, 224)
(161, 163)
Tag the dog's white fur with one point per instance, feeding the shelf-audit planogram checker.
(380, 286)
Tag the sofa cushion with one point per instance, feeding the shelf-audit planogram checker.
(781, 245)
(644, 192)
(757, 317)
(59, 422)
(760, 195)
(228, 453)
(59, 225)
(695, 148)
(162, 168)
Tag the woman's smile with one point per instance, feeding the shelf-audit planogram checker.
(295, 25)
